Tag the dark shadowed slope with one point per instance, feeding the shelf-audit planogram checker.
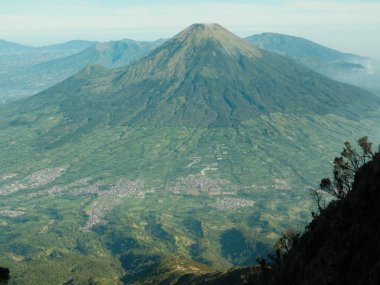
(340, 246)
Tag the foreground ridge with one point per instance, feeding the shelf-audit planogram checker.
(340, 246)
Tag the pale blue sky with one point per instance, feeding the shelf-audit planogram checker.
(350, 25)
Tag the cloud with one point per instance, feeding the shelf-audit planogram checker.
(58, 16)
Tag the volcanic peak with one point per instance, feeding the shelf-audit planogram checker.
(198, 47)
(201, 33)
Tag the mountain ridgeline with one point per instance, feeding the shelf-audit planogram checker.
(6, 47)
(345, 67)
(28, 70)
(204, 76)
(299, 48)
(109, 54)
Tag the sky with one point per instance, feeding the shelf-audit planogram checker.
(349, 26)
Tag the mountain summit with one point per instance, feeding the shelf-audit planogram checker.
(201, 48)
(198, 34)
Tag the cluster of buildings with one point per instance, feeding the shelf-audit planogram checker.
(11, 213)
(110, 198)
(34, 180)
(199, 184)
(232, 203)
(44, 176)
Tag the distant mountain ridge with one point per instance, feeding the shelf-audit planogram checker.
(345, 67)
(62, 49)
(57, 62)
(297, 47)
(73, 46)
(109, 54)
(6, 47)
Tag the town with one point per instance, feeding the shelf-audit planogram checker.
(232, 203)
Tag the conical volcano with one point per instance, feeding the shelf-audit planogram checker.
(207, 76)
(203, 78)
(196, 49)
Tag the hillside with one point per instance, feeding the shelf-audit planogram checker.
(17, 79)
(31, 71)
(345, 67)
(201, 151)
(15, 56)
(108, 54)
(340, 246)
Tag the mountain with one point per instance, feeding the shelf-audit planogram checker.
(58, 62)
(108, 54)
(15, 56)
(296, 47)
(10, 47)
(112, 54)
(202, 152)
(345, 67)
(70, 47)
(17, 78)
(206, 76)
(66, 48)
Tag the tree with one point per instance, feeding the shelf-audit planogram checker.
(345, 168)
(282, 247)
(4, 276)
(319, 199)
